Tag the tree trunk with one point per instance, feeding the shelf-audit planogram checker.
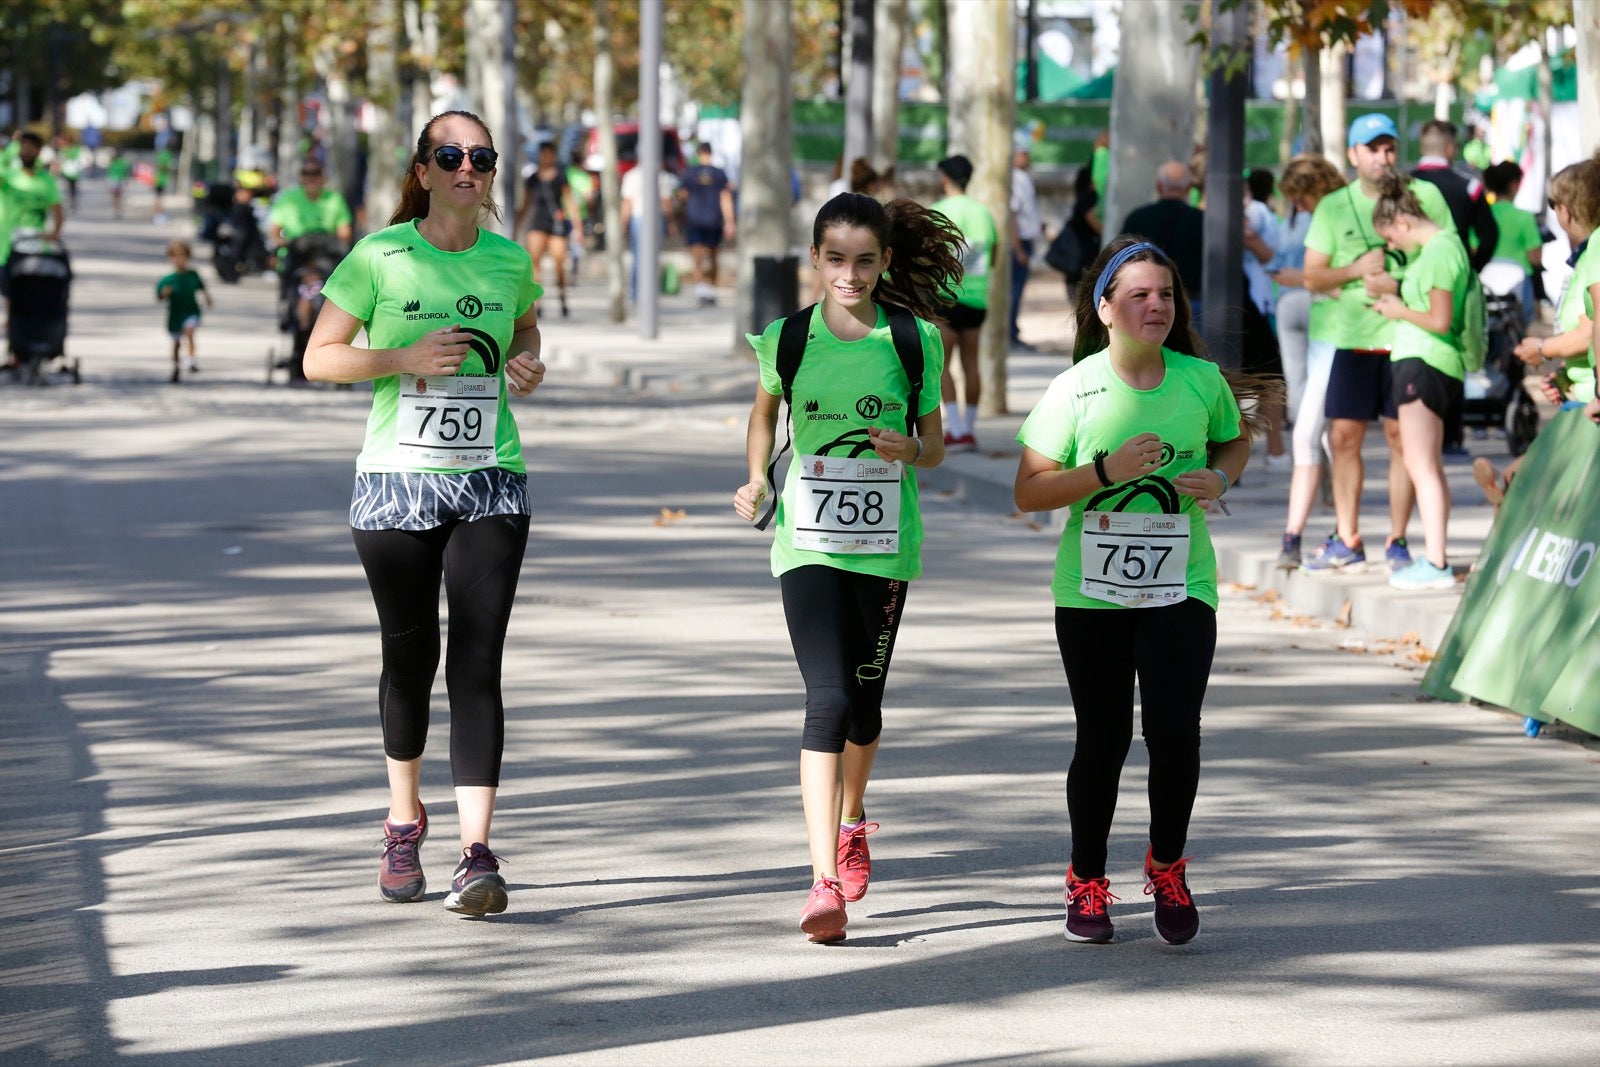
(385, 143)
(1290, 115)
(1222, 283)
(1311, 58)
(611, 207)
(983, 45)
(1586, 19)
(858, 95)
(1152, 104)
(288, 164)
(1546, 106)
(767, 132)
(1333, 92)
(485, 35)
(422, 33)
(888, 42)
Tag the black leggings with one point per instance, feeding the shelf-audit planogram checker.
(842, 626)
(480, 562)
(1170, 650)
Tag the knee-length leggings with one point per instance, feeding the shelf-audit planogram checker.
(842, 626)
(1169, 649)
(480, 562)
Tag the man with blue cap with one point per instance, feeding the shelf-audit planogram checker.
(1346, 257)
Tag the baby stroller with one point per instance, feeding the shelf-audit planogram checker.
(1494, 394)
(40, 279)
(307, 262)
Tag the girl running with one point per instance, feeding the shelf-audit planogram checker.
(849, 533)
(441, 487)
(1143, 437)
(1427, 366)
(553, 208)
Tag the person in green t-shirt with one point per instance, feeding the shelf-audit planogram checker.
(962, 320)
(30, 199)
(441, 485)
(1429, 368)
(1345, 255)
(182, 290)
(310, 207)
(1138, 439)
(117, 171)
(848, 534)
(1521, 241)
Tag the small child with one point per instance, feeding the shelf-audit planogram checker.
(179, 289)
(308, 296)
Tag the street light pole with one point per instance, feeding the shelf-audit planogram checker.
(648, 266)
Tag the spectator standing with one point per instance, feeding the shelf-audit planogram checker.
(1344, 253)
(1520, 242)
(1084, 224)
(1027, 230)
(630, 198)
(1176, 227)
(963, 319)
(708, 220)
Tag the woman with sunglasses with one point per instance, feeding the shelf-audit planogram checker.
(1138, 439)
(441, 487)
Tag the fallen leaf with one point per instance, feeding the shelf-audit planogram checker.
(669, 516)
(1342, 620)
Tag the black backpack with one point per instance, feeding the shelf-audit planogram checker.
(792, 346)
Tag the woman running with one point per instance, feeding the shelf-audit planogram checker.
(441, 487)
(1427, 365)
(553, 208)
(849, 533)
(1141, 437)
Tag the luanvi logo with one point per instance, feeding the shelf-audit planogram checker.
(412, 305)
(811, 406)
(397, 251)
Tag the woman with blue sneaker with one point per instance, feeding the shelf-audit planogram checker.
(1427, 364)
(860, 372)
(441, 487)
(1140, 437)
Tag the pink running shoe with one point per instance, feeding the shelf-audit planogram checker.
(855, 862)
(1177, 920)
(400, 878)
(823, 919)
(1089, 909)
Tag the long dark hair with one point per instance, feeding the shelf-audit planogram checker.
(924, 265)
(414, 199)
(1252, 391)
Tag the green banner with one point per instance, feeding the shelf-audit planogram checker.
(1524, 636)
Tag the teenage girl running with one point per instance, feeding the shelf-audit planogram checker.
(1138, 438)
(1426, 363)
(441, 488)
(844, 552)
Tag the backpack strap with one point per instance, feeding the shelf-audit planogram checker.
(908, 346)
(791, 347)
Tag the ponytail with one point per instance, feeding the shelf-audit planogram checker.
(414, 199)
(1395, 199)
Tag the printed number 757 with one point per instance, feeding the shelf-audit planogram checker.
(1134, 563)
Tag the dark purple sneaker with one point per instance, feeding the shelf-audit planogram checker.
(477, 888)
(1089, 909)
(400, 879)
(1177, 920)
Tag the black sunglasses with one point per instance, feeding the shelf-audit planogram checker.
(311, 174)
(449, 158)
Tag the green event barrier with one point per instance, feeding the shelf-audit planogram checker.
(1063, 134)
(1525, 634)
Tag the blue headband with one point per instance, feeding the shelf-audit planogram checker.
(1115, 265)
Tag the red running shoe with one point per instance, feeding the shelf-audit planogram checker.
(1177, 920)
(823, 919)
(855, 862)
(1089, 909)
(400, 878)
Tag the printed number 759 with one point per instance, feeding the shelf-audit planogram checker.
(1137, 560)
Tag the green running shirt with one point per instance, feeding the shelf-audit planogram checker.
(977, 226)
(297, 214)
(841, 388)
(1341, 229)
(1088, 410)
(401, 287)
(1441, 263)
(1575, 305)
(183, 303)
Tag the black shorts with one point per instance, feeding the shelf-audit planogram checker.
(1414, 379)
(703, 236)
(962, 317)
(553, 227)
(1359, 386)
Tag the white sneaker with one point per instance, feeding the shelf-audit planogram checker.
(1278, 463)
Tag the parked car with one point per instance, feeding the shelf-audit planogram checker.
(672, 159)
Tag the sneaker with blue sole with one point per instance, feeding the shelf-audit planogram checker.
(1336, 557)
(1422, 574)
(1397, 554)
